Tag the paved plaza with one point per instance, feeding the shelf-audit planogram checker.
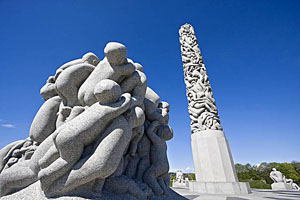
(257, 194)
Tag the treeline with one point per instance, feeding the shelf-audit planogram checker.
(259, 175)
(190, 176)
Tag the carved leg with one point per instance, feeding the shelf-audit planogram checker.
(99, 165)
(122, 184)
(138, 134)
(59, 167)
(166, 179)
(15, 178)
(142, 166)
(162, 184)
(150, 179)
(49, 157)
(131, 167)
(99, 183)
(69, 81)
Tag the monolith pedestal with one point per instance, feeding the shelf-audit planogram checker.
(214, 167)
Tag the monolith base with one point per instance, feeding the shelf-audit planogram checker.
(281, 186)
(214, 167)
(219, 187)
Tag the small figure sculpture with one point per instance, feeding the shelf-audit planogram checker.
(158, 134)
(180, 181)
(179, 176)
(5, 151)
(277, 176)
(114, 67)
(294, 185)
(69, 81)
(143, 152)
(21, 151)
(280, 182)
(49, 89)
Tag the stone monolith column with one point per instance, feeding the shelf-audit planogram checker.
(214, 167)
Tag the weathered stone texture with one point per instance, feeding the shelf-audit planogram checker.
(214, 167)
(202, 105)
(101, 133)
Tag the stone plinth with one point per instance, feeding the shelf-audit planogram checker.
(214, 167)
(281, 186)
(212, 157)
(219, 187)
(184, 185)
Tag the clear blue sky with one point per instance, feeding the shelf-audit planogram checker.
(251, 50)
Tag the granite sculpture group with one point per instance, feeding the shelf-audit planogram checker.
(281, 182)
(180, 181)
(100, 129)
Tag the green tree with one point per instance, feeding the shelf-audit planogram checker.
(296, 166)
(240, 168)
(172, 175)
(273, 165)
(192, 176)
(288, 170)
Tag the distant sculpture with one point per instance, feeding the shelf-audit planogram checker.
(201, 104)
(180, 181)
(179, 176)
(280, 181)
(294, 185)
(100, 129)
(277, 176)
